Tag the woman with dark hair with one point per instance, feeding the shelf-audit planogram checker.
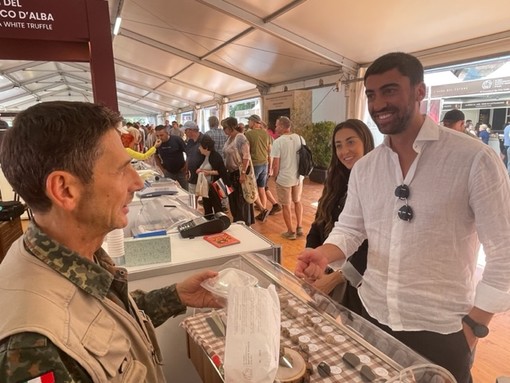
(237, 160)
(351, 140)
(213, 169)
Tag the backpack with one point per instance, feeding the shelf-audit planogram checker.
(305, 160)
(10, 210)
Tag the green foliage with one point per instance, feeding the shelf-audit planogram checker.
(318, 139)
(240, 106)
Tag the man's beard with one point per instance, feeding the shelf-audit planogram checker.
(399, 124)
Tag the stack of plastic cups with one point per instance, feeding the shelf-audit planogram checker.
(115, 242)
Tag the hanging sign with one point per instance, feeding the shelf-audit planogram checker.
(44, 20)
(492, 85)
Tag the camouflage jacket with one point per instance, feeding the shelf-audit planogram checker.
(27, 355)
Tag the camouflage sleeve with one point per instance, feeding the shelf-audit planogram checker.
(159, 304)
(28, 355)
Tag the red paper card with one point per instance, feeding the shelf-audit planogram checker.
(221, 239)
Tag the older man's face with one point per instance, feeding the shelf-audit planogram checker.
(191, 133)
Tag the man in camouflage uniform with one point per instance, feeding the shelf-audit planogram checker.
(70, 316)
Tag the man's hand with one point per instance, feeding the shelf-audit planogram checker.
(193, 295)
(311, 265)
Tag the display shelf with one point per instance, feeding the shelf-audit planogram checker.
(323, 332)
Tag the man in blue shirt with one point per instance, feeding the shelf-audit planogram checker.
(170, 156)
(484, 134)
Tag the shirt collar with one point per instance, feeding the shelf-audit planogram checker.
(93, 278)
(429, 131)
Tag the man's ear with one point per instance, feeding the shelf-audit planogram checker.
(420, 90)
(63, 189)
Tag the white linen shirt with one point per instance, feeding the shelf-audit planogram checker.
(420, 274)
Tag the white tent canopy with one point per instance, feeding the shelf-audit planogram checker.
(176, 55)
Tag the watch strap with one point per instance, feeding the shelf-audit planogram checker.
(479, 330)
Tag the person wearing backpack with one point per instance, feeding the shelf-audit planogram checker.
(289, 184)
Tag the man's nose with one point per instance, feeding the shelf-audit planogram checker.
(137, 181)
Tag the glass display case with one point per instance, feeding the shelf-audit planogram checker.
(333, 344)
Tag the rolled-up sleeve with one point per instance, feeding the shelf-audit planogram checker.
(490, 201)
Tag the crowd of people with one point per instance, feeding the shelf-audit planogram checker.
(242, 149)
(456, 120)
(394, 239)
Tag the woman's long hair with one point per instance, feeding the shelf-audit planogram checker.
(338, 175)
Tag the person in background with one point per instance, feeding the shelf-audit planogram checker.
(150, 141)
(128, 141)
(137, 138)
(237, 161)
(151, 136)
(484, 133)
(271, 131)
(275, 206)
(170, 156)
(454, 119)
(506, 143)
(213, 168)
(351, 140)
(85, 326)
(470, 128)
(217, 134)
(141, 134)
(423, 199)
(289, 184)
(193, 155)
(175, 130)
(260, 149)
(219, 137)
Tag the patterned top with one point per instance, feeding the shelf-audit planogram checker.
(219, 137)
(28, 355)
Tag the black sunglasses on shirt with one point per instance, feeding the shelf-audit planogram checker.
(405, 213)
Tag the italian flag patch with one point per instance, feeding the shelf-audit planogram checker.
(47, 377)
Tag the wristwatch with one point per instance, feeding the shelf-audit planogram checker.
(480, 330)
